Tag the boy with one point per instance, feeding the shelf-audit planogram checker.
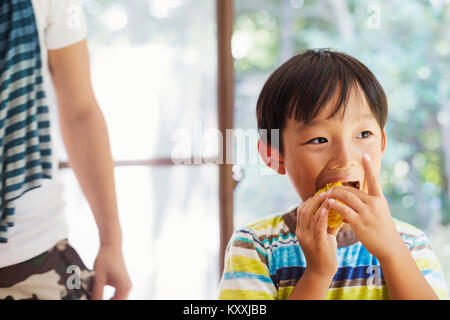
(330, 111)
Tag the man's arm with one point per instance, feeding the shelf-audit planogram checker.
(85, 137)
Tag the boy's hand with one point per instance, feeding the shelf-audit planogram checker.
(368, 214)
(317, 241)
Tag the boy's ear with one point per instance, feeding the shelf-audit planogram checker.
(271, 157)
(383, 142)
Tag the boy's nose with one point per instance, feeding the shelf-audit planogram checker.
(343, 157)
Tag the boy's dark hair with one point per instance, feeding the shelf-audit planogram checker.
(304, 84)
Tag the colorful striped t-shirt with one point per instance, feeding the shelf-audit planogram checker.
(265, 261)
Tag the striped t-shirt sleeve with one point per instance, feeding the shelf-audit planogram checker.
(427, 262)
(246, 273)
(429, 265)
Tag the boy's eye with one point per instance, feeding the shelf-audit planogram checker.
(369, 133)
(317, 139)
(364, 136)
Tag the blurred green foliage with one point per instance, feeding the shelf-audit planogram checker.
(405, 43)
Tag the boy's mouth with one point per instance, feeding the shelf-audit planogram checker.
(355, 184)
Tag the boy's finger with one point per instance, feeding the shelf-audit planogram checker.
(308, 209)
(322, 224)
(351, 197)
(348, 213)
(300, 219)
(362, 195)
(317, 205)
(334, 231)
(373, 181)
(315, 218)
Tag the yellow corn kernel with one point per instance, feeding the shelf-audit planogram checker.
(334, 218)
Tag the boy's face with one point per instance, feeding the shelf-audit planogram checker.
(332, 148)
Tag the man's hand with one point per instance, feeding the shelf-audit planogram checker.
(368, 215)
(110, 270)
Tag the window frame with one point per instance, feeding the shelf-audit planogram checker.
(225, 107)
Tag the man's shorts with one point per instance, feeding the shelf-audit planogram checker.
(57, 274)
